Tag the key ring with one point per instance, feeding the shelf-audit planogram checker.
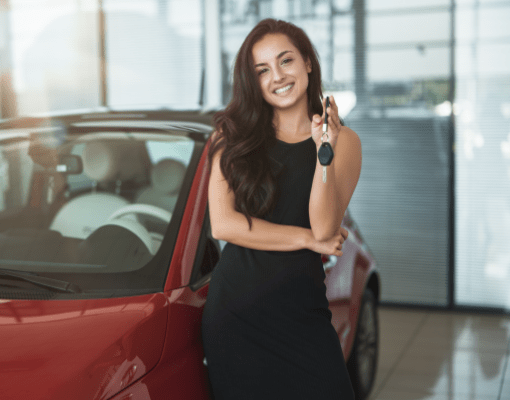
(322, 137)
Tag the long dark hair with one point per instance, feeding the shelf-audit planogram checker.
(246, 127)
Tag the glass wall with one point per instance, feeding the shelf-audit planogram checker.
(401, 201)
(482, 154)
(154, 53)
(54, 54)
(152, 49)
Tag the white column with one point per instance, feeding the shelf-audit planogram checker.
(7, 97)
(212, 62)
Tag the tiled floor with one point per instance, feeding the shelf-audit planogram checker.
(431, 355)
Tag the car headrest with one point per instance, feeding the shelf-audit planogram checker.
(168, 175)
(109, 160)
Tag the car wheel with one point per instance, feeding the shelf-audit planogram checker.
(362, 362)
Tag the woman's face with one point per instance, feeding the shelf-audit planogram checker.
(282, 72)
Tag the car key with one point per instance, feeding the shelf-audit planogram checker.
(325, 157)
(325, 152)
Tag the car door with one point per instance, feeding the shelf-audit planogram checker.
(339, 277)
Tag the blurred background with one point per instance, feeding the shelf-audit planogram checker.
(424, 83)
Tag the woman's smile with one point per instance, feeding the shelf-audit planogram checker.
(284, 89)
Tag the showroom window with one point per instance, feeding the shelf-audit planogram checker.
(152, 50)
(53, 48)
(154, 53)
(401, 202)
(482, 154)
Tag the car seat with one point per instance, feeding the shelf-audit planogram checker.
(166, 180)
(103, 161)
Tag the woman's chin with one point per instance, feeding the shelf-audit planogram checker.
(288, 103)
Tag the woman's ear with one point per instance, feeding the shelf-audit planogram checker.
(308, 66)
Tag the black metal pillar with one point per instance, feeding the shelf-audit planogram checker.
(451, 162)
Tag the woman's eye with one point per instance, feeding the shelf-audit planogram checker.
(287, 60)
(262, 71)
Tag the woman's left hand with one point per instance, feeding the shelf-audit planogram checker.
(334, 124)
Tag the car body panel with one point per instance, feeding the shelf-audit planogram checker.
(363, 269)
(345, 285)
(338, 291)
(180, 373)
(79, 349)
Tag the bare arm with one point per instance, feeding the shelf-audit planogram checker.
(264, 235)
(232, 226)
(329, 201)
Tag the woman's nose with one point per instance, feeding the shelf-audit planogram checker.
(278, 74)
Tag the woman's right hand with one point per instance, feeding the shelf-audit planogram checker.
(331, 247)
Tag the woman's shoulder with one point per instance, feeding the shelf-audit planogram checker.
(348, 138)
(217, 146)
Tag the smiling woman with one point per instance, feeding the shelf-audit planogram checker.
(266, 327)
(249, 117)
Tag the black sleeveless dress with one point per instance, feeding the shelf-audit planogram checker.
(266, 326)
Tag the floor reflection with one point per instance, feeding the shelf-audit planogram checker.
(427, 355)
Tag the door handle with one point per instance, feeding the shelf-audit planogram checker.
(330, 263)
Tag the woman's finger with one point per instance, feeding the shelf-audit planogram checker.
(335, 111)
(332, 118)
(332, 104)
(332, 121)
(316, 120)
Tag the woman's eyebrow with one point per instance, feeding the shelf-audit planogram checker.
(277, 57)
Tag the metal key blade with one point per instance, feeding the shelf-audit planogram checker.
(324, 174)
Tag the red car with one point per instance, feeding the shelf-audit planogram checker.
(106, 254)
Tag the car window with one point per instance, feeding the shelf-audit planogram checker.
(175, 150)
(93, 203)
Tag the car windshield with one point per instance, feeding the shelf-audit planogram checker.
(92, 208)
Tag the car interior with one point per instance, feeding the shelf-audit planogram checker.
(110, 213)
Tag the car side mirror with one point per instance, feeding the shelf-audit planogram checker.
(69, 164)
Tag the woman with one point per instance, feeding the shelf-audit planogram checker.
(266, 326)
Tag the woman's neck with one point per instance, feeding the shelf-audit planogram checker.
(292, 124)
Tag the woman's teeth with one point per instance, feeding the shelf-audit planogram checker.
(284, 89)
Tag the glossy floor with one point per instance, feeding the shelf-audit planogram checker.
(431, 355)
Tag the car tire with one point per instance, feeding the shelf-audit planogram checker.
(362, 363)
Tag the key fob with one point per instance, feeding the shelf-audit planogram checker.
(325, 153)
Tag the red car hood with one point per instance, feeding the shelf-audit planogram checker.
(78, 349)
